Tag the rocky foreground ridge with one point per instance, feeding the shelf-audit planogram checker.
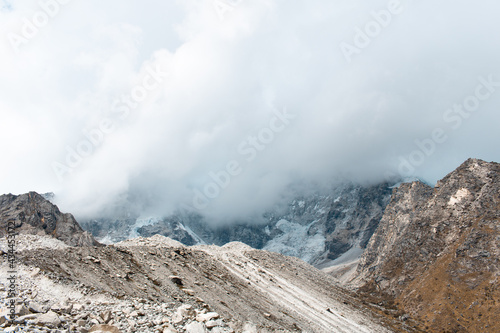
(436, 252)
(159, 285)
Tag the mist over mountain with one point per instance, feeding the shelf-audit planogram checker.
(222, 109)
(317, 227)
(416, 258)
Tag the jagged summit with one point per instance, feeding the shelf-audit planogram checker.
(31, 213)
(473, 172)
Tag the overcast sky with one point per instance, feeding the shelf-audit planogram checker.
(220, 105)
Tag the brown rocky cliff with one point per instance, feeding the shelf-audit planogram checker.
(437, 251)
(33, 214)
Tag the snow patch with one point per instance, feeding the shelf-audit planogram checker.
(142, 222)
(197, 238)
(107, 240)
(295, 241)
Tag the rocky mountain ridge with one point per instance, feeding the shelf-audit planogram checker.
(436, 252)
(31, 213)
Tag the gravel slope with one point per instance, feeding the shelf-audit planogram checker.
(249, 290)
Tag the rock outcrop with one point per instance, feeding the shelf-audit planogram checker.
(436, 252)
(31, 213)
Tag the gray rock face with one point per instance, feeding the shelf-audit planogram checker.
(32, 214)
(332, 224)
(115, 229)
(407, 202)
(437, 250)
(317, 227)
(111, 230)
(171, 227)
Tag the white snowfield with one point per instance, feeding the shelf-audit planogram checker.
(320, 311)
(295, 241)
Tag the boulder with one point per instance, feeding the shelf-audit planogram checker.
(202, 317)
(50, 319)
(35, 307)
(195, 327)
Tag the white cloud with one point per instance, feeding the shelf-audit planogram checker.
(225, 79)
